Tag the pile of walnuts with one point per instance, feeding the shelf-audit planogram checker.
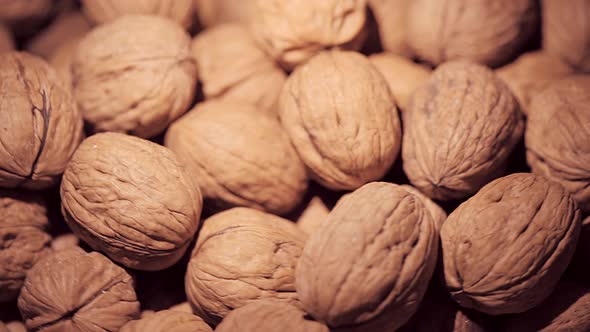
(294, 165)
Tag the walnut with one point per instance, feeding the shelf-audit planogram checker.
(132, 199)
(392, 22)
(436, 212)
(61, 60)
(23, 238)
(402, 75)
(135, 74)
(242, 255)
(372, 259)
(254, 164)
(566, 33)
(40, 126)
(342, 119)
(77, 291)
(460, 129)
(483, 31)
(269, 316)
(166, 321)
(505, 248)
(213, 12)
(231, 66)
(104, 11)
(531, 73)
(14, 326)
(293, 31)
(64, 241)
(182, 307)
(557, 136)
(14, 12)
(66, 27)
(6, 40)
(313, 216)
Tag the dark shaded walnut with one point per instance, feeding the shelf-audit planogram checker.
(436, 212)
(460, 129)
(22, 12)
(6, 40)
(373, 258)
(253, 165)
(135, 74)
(77, 291)
(557, 138)
(531, 73)
(242, 255)
(486, 32)
(566, 31)
(232, 67)
(293, 31)
(167, 321)
(62, 59)
(313, 216)
(505, 248)
(132, 199)
(66, 27)
(14, 326)
(214, 12)
(23, 239)
(342, 119)
(565, 310)
(392, 17)
(40, 126)
(269, 316)
(402, 75)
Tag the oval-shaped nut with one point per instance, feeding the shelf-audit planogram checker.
(213, 12)
(342, 119)
(483, 31)
(23, 239)
(232, 67)
(6, 40)
(269, 316)
(254, 164)
(132, 199)
(459, 130)
(69, 26)
(392, 23)
(77, 291)
(293, 31)
(374, 256)
(242, 255)
(557, 137)
(167, 321)
(505, 248)
(40, 126)
(135, 74)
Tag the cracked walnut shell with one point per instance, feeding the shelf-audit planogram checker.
(131, 199)
(167, 321)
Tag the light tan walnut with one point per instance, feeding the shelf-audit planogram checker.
(167, 321)
(313, 216)
(436, 212)
(213, 12)
(392, 23)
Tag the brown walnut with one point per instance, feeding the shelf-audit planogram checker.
(392, 22)
(213, 12)
(167, 321)
(15, 12)
(66, 27)
(6, 40)
(313, 216)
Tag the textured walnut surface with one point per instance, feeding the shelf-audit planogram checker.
(167, 321)
(505, 248)
(436, 212)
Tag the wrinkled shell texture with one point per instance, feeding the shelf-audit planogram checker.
(293, 31)
(77, 291)
(558, 133)
(231, 66)
(6, 41)
(347, 134)
(483, 31)
(505, 248)
(436, 212)
(135, 74)
(460, 129)
(116, 197)
(269, 316)
(67, 27)
(23, 240)
(531, 73)
(314, 215)
(392, 22)
(40, 126)
(103, 11)
(168, 321)
(242, 255)
(18, 11)
(213, 12)
(566, 31)
(374, 256)
(239, 157)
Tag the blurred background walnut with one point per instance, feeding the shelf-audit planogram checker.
(313, 216)
(6, 40)
(213, 12)
(167, 321)
(392, 23)
(26, 17)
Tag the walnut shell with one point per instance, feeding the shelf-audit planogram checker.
(392, 22)
(231, 66)
(135, 74)
(373, 257)
(77, 291)
(23, 239)
(132, 199)
(242, 255)
(213, 12)
(62, 58)
(64, 241)
(68, 26)
(483, 31)
(566, 31)
(6, 40)
(557, 136)
(40, 126)
(313, 216)
(460, 129)
(239, 156)
(505, 248)
(24, 11)
(342, 119)
(293, 31)
(269, 316)
(167, 321)
(436, 212)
